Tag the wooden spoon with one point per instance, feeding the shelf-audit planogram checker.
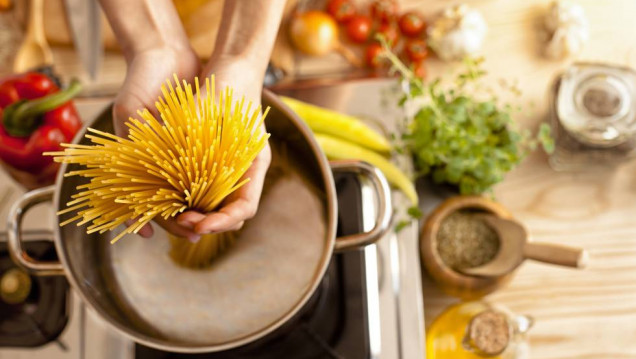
(514, 247)
(34, 51)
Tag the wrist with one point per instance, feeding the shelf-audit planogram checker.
(247, 67)
(155, 25)
(169, 50)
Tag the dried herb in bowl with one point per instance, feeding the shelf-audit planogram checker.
(465, 241)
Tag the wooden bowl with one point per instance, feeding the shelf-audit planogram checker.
(452, 282)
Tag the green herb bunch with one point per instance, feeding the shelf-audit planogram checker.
(458, 139)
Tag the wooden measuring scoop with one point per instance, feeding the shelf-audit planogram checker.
(514, 247)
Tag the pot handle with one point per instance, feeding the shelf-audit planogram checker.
(14, 235)
(385, 210)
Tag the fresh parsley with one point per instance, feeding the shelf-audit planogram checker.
(458, 139)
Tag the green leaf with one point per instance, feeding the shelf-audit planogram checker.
(401, 225)
(457, 137)
(545, 138)
(415, 212)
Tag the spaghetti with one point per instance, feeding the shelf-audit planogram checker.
(192, 159)
(201, 253)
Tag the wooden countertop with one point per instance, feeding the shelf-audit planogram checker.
(589, 313)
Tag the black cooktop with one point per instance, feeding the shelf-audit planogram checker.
(42, 316)
(334, 325)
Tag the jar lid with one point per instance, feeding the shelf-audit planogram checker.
(488, 333)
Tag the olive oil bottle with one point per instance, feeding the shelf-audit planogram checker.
(476, 330)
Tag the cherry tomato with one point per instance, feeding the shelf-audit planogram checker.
(341, 10)
(390, 33)
(372, 55)
(419, 69)
(412, 24)
(416, 49)
(384, 10)
(359, 28)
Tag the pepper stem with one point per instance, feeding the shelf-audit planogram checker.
(22, 117)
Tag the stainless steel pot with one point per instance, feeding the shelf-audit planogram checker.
(263, 281)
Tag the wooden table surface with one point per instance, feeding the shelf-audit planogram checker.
(588, 313)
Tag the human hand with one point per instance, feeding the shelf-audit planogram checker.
(242, 204)
(147, 71)
(242, 48)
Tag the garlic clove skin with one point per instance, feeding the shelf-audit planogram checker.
(567, 28)
(460, 31)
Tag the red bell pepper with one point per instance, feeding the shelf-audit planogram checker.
(36, 117)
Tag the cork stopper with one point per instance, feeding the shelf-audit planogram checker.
(488, 333)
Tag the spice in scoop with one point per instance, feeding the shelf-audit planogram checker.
(465, 241)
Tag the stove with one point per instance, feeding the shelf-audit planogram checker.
(336, 324)
(368, 306)
(38, 313)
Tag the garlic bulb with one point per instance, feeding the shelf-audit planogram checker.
(567, 29)
(458, 32)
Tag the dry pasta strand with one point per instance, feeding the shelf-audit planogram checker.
(192, 157)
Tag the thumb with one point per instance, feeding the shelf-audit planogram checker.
(125, 106)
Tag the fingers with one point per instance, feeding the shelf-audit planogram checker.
(146, 231)
(251, 191)
(169, 225)
(230, 217)
(241, 205)
(190, 218)
(126, 105)
(178, 230)
(119, 118)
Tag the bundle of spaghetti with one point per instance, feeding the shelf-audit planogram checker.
(201, 253)
(191, 159)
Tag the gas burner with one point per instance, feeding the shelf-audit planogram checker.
(33, 310)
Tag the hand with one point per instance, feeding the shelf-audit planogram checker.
(147, 71)
(242, 204)
(242, 48)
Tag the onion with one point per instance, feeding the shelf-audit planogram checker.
(315, 33)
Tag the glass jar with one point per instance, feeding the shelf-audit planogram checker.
(593, 115)
(474, 330)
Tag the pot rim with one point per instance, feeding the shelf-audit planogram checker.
(331, 209)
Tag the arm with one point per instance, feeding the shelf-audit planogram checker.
(155, 46)
(241, 54)
(247, 33)
(155, 25)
